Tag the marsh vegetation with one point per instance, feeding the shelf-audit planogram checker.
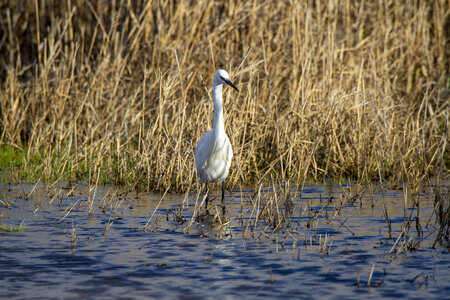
(119, 92)
(102, 104)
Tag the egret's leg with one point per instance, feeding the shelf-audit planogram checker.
(207, 196)
(223, 198)
(223, 193)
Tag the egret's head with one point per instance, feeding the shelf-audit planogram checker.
(222, 77)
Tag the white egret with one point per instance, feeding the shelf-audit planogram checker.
(213, 153)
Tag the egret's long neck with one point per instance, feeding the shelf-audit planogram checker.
(218, 126)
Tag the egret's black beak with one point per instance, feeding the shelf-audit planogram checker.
(228, 81)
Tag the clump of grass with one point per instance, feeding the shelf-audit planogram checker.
(10, 156)
(11, 228)
(73, 239)
(341, 90)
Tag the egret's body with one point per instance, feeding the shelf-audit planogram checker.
(213, 153)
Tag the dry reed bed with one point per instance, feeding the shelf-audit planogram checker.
(121, 92)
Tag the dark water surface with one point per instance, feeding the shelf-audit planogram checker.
(325, 248)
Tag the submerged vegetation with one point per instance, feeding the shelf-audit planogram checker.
(118, 92)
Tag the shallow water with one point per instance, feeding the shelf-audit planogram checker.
(326, 247)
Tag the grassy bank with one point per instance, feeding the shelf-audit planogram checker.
(120, 93)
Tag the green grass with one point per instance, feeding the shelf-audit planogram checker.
(11, 228)
(16, 166)
(11, 157)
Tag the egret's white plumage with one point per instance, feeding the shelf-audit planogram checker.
(213, 153)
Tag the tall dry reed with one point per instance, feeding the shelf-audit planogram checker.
(328, 88)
